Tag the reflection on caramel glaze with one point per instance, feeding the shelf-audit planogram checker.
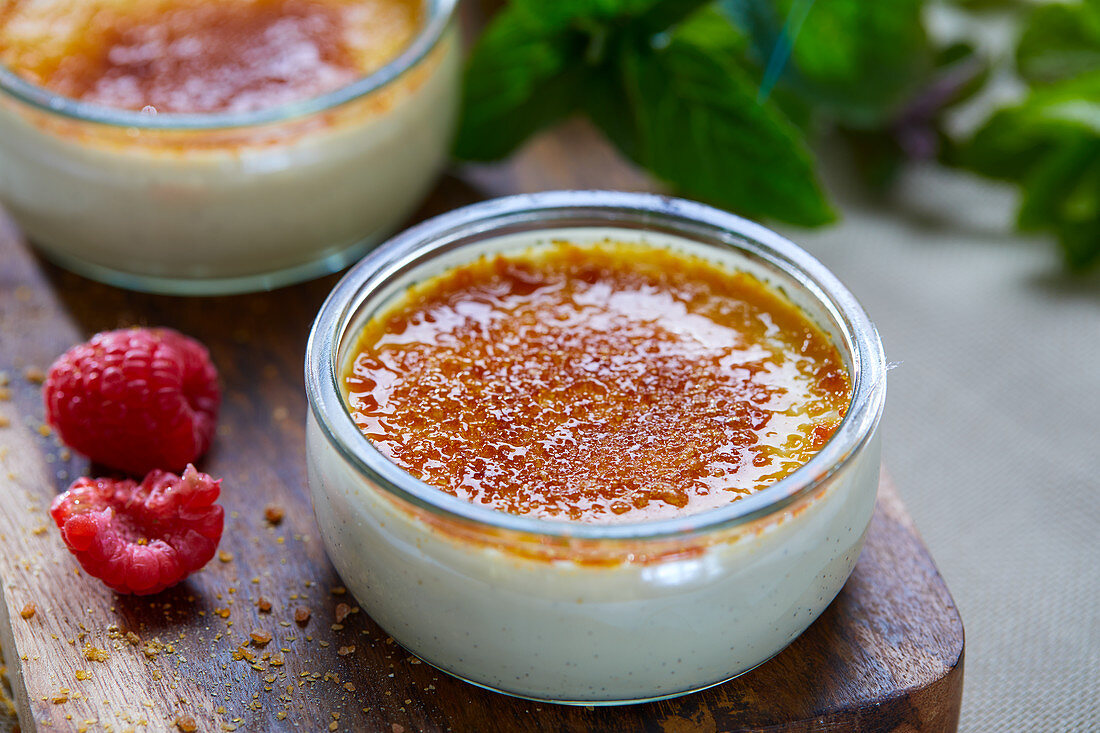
(202, 56)
(600, 384)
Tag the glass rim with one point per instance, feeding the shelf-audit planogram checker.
(44, 100)
(681, 217)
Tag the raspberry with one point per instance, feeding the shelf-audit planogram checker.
(135, 399)
(141, 538)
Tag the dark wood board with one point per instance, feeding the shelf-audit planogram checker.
(887, 655)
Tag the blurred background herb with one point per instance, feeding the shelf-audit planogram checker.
(725, 101)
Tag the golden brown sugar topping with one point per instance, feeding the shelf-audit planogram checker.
(202, 56)
(601, 384)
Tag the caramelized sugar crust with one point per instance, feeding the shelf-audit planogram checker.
(201, 56)
(599, 384)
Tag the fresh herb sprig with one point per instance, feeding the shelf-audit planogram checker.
(722, 99)
(663, 79)
(1049, 142)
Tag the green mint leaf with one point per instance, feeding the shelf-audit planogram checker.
(1079, 246)
(1050, 145)
(1002, 148)
(1068, 106)
(858, 60)
(1060, 41)
(996, 6)
(565, 13)
(644, 16)
(1062, 195)
(606, 101)
(609, 108)
(1015, 139)
(963, 68)
(520, 78)
(529, 68)
(696, 124)
(1051, 188)
(709, 30)
(664, 14)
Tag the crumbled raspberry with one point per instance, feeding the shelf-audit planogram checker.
(141, 538)
(135, 399)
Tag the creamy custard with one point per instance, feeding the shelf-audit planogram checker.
(217, 208)
(609, 383)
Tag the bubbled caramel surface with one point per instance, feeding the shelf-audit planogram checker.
(599, 384)
(201, 56)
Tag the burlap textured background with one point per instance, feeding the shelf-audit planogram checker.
(992, 433)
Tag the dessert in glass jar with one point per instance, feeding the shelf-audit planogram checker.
(593, 447)
(213, 146)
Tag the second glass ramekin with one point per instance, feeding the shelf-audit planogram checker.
(230, 202)
(585, 613)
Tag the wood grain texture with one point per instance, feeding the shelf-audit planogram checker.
(887, 655)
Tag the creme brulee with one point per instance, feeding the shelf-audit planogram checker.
(204, 146)
(200, 56)
(625, 411)
(613, 382)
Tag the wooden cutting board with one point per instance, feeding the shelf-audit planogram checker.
(887, 654)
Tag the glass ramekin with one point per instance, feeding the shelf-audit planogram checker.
(581, 613)
(196, 204)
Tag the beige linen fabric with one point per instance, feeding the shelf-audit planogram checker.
(992, 433)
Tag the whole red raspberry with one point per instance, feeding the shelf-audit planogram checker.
(135, 399)
(141, 538)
